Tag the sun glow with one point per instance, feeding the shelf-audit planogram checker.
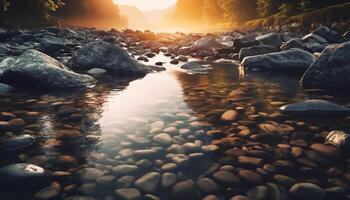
(148, 4)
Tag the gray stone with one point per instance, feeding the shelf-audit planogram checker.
(128, 194)
(226, 177)
(293, 43)
(163, 139)
(51, 44)
(38, 70)
(148, 183)
(293, 60)
(315, 107)
(260, 192)
(185, 190)
(256, 50)
(330, 35)
(331, 69)
(17, 143)
(270, 39)
(307, 191)
(207, 186)
(125, 170)
(168, 180)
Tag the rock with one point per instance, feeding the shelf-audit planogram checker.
(277, 192)
(256, 50)
(146, 154)
(168, 180)
(270, 39)
(327, 151)
(148, 183)
(163, 139)
(210, 197)
(239, 197)
(97, 71)
(23, 174)
(229, 116)
(293, 60)
(4, 64)
(125, 182)
(330, 35)
(315, 107)
(50, 44)
(307, 191)
(90, 174)
(47, 193)
(226, 177)
(125, 170)
(250, 177)
(79, 198)
(110, 57)
(196, 67)
(181, 160)
(38, 70)
(260, 192)
(339, 139)
(331, 69)
(185, 190)
(128, 194)
(245, 41)
(17, 143)
(207, 186)
(174, 62)
(293, 43)
(207, 43)
(252, 162)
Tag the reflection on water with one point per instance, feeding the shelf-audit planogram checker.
(99, 127)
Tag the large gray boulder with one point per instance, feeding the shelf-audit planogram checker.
(244, 41)
(293, 60)
(38, 70)
(329, 34)
(256, 50)
(331, 69)
(111, 57)
(270, 39)
(51, 44)
(293, 43)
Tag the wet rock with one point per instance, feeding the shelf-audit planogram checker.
(245, 41)
(260, 192)
(277, 192)
(210, 197)
(168, 180)
(330, 35)
(110, 57)
(174, 62)
(128, 194)
(293, 43)
(250, 161)
(207, 186)
(339, 139)
(315, 107)
(293, 60)
(270, 39)
(146, 154)
(38, 70)
(256, 50)
(17, 143)
(169, 167)
(125, 170)
(196, 67)
(23, 174)
(47, 193)
(163, 139)
(250, 177)
(181, 160)
(308, 191)
(207, 43)
(229, 115)
(90, 174)
(226, 177)
(50, 44)
(148, 183)
(331, 69)
(328, 151)
(125, 181)
(185, 190)
(97, 71)
(239, 197)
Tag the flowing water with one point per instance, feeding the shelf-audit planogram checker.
(100, 127)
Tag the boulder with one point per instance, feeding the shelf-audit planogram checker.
(331, 70)
(38, 70)
(315, 107)
(196, 67)
(256, 50)
(293, 43)
(270, 39)
(293, 60)
(330, 35)
(244, 41)
(110, 57)
(50, 44)
(207, 43)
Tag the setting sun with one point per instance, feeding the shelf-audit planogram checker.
(147, 4)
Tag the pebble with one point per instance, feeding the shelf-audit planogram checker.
(308, 191)
(163, 139)
(168, 180)
(226, 177)
(185, 190)
(250, 177)
(148, 183)
(128, 194)
(207, 186)
(229, 116)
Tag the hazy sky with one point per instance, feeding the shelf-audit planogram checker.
(148, 4)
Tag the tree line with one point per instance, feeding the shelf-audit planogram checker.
(97, 13)
(219, 11)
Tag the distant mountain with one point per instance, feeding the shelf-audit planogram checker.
(136, 19)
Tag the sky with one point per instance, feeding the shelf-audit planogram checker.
(148, 4)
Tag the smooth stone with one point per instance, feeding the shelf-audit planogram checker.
(207, 186)
(168, 180)
(185, 190)
(146, 154)
(163, 139)
(226, 177)
(258, 193)
(248, 161)
(47, 193)
(229, 115)
(90, 174)
(250, 177)
(17, 143)
(125, 170)
(181, 160)
(307, 191)
(148, 183)
(328, 151)
(128, 194)
(97, 71)
(125, 181)
(315, 107)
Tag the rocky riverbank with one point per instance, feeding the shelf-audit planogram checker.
(246, 139)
